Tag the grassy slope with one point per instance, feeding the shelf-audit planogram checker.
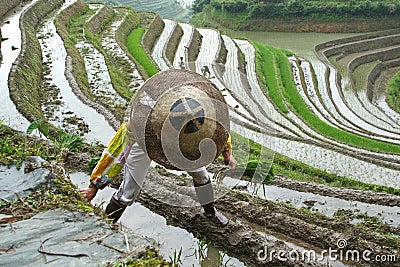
(137, 51)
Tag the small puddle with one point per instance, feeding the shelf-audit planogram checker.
(170, 238)
(10, 50)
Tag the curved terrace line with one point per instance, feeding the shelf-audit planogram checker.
(209, 50)
(354, 95)
(113, 47)
(341, 146)
(325, 159)
(339, 100)
(183, 45)
(311, 104)
(9, 113)
(54, 46)
(158, 51)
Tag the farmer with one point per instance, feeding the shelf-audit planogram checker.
(206, 71)
(137, 164)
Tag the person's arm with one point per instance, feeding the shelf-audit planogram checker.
(90, 192)
(227, 154)
(111, 162)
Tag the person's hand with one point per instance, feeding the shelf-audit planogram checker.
(90, 192)
(229, 159)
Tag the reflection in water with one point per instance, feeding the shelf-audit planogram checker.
(318, 203)
(10, 49)
(55, 54)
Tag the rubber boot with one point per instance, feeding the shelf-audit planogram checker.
(205, 195)
(114, 209)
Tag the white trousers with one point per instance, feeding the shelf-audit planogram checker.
(135, 169)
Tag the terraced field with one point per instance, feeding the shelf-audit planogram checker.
(179, 9)
(332, 129)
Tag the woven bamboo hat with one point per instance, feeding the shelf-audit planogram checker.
(180, 119)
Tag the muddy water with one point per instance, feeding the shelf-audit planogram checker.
(55, 54)
(10, 29)
(96, 67)
(317, 203)
(144, 222)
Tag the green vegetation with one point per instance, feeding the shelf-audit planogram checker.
(62, 140)
(303, 8)
(297, 104)
(298, 15)
(253, 158)
(394, 92)
(135, 48)
(268, 72)
(151, 258)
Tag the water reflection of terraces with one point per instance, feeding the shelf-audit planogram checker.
(53, 46)
(12, 32)
(346, 100)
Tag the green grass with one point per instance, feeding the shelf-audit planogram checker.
(270, 76)
(394, 92)
(136, 50)
(296, 102)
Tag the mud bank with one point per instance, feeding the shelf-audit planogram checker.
(194, 46)
(78, 65)
(244, 242)
(343, 193)
(237, 239)
(110, 118)
(172, 44)
(95, 25)
(26, 75)
(7, 5)
(153, 32)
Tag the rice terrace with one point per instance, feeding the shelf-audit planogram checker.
(312, 91)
